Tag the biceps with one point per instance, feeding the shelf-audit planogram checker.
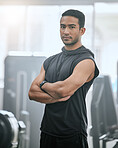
(84, 71)
(81, 74)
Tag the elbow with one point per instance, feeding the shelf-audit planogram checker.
(30, 95)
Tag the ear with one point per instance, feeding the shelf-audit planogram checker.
(82, 30)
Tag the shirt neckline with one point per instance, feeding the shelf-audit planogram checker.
(72, 52)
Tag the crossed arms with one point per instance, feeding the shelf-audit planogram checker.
(62, 90)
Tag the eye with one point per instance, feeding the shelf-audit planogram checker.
(71, 27)
(63, 26)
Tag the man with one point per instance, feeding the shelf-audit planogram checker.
(62, 84)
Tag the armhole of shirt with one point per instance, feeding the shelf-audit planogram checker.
(47, 63)
(84, 58)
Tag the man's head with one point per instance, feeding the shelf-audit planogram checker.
(77, 14)
(72, 28)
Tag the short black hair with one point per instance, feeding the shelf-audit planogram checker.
(76, 13)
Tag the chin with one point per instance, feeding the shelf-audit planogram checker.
(68, 44)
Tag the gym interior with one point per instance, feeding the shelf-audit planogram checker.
(29, 33)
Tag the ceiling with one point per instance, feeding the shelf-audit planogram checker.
(52, 2)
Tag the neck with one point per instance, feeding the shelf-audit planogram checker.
(73, 47)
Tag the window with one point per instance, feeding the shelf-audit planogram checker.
(106, 39)
(36, 29)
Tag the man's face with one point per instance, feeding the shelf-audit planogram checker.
(69, 30)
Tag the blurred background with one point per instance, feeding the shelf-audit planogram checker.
(29, 33)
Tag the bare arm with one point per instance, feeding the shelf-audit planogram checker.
(82, 73)
(36, 94)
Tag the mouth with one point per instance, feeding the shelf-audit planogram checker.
(66, 37)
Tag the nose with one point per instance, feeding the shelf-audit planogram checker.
(66, 30)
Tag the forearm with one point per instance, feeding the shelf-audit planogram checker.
(56, 90)
(38, 95)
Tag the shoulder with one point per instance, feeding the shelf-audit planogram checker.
(87, 53)
(83, 54)
(49, 60)
(86, 57)
(90, 55)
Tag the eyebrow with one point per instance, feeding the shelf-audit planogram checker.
(68, 25)
(71, 25)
